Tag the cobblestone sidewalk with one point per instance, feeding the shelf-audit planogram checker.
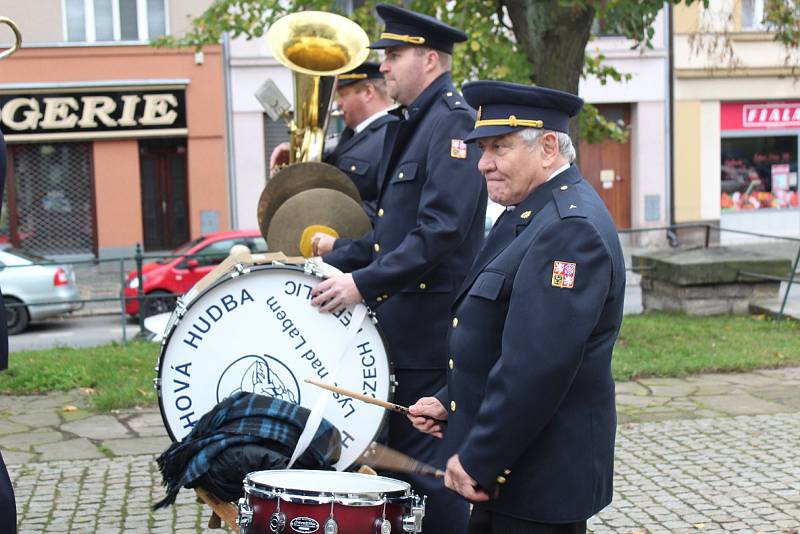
(710, 453)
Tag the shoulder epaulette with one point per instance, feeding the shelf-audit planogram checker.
(568, 201)
(454, 100)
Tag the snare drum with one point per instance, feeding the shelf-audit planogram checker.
(292, 501)
(255, 330)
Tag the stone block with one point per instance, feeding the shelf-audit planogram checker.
(711, 265)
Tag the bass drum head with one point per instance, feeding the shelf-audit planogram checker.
(258, 332)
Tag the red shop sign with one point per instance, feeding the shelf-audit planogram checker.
(759, 115)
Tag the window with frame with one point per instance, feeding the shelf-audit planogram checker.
(114, 20)
(752, 15)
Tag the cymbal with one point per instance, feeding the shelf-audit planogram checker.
(296, 178)
(324, 207)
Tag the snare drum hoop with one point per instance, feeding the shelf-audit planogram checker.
(230, 275)
(300, 496)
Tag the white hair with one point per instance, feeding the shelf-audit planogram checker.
(565, 147)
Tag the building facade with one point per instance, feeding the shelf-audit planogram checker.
(737, 121)
(632, 177)
(111, 142)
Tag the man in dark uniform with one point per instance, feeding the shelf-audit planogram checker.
(529, 400)
(8, 511)
(428, 229)
(362, 98)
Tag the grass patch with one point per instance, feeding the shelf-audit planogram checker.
(120, 375)
(672, 344)
(652, 344)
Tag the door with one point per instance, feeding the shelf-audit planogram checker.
(165, 207)
(607, 166)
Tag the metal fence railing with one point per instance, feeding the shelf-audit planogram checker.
(702, 235)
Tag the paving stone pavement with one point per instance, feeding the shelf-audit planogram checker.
(709, 453)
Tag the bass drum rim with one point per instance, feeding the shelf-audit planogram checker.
(255, 268)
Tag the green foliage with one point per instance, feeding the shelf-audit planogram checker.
(783, 17)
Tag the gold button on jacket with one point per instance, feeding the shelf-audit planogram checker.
(501, 479)
(451, 363)
(377, 247)
(455, 322)
(452, 406)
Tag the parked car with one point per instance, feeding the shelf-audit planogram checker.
(162, 280)
(34, 292)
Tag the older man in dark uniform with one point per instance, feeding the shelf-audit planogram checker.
(530, 398)
(429, 226)
(361, 96)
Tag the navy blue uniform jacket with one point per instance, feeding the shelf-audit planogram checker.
(428, 229)
(530, 395)
(360, 156)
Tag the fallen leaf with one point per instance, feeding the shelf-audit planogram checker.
(142, 392)
(87, 391)
(69, 408)
(699, 526)
(639, 531)
(779, 355)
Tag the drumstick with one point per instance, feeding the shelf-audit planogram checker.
(358, 396)
(369, 400)
(383, 457)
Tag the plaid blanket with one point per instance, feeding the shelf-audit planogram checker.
(249, 432)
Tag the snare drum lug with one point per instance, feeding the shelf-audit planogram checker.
(412, 522)
(382, 526)
(331, 526)
(245, 517)
(277, 522)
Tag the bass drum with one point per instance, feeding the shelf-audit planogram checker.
(255, 330)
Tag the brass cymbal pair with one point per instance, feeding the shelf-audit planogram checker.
(309, 194)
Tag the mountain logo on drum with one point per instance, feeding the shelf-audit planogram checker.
(260, 374)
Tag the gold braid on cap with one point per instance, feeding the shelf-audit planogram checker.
(356, 76)
(405, 38)
(512, 121)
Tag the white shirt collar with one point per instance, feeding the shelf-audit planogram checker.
(558, 171)
(369, 120)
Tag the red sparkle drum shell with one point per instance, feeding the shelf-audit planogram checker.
(255, 330)
(308, 499)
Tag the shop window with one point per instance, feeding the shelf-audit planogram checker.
(50, 198)
(759, 173)
(114, 20)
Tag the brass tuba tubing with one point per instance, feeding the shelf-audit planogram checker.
(17, 37)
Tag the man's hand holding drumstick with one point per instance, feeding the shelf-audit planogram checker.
(427, 415)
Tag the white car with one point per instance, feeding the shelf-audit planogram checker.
(33, 292)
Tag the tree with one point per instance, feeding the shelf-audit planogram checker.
(528, 41)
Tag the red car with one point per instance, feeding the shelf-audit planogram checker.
(175, 275)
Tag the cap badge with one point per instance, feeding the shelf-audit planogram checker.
(563, 274)
(525, 214)
(458, 149)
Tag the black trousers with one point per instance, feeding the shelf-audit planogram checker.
(483, 521)
(8, 510)
(445, 511)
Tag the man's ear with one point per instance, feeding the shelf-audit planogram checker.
(431, 60)
(549, 145)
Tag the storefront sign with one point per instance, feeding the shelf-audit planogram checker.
(760, 115)
(89, 115)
